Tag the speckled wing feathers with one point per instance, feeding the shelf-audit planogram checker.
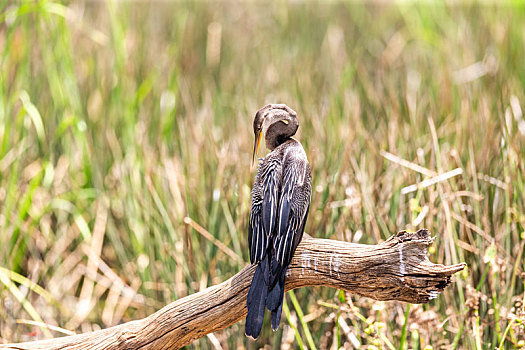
(293, 206)
(264, 207)
(280, 201)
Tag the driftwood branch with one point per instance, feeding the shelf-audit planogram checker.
(397, 269)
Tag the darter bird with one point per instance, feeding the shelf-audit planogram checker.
(280, 203)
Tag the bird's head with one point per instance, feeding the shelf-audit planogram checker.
(277, 122)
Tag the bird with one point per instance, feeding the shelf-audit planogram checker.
(279, 209)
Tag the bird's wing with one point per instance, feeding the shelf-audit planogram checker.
(293, 210)
(264, 207)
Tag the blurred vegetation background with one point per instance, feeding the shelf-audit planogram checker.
(125, 144)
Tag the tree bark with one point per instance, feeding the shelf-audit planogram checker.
(397, 269)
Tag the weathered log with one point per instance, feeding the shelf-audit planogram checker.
(397, 269)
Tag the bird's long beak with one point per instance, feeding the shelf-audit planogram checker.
(258, 137)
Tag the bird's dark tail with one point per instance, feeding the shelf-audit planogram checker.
(274, 301)
(256, 300)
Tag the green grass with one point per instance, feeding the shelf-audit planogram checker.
(118, 120)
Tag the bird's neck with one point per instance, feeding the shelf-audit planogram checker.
(279, 133)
